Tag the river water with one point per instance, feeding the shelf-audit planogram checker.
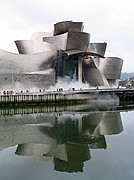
(72, 144)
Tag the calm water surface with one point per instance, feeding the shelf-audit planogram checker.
(67, 145)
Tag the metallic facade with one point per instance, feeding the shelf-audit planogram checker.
(27, 71)
(66, 52)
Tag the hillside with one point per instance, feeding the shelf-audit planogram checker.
(126, 75)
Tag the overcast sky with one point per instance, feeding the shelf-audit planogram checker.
(110, 21)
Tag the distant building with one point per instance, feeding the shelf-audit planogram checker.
(130, 82)
(67, 52)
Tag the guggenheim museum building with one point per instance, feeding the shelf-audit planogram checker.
(67, 52)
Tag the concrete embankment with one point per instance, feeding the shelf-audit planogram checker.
(65, 97)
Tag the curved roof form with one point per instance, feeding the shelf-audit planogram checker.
(18, 63)
(97, 49)
(32, 47)
(59, 41)
(35, 44)
(65, 26)
(70, 41)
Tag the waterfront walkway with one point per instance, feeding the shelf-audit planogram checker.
(64, 96)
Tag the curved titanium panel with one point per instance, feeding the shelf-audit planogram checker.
(34, 46)
(43, 47)
(60, 28)
(78, 40)
(76, 26)
(39, 45)
(70, 41)
(18, 63)
(24, 46)
(111, 67)
(92, 74)
(63, 27)
(27, 71)
(59, 41)
(97, 48)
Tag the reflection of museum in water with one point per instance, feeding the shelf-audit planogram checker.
(64, 138)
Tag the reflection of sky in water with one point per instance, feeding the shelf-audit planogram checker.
(17, 167)
(116, 162)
